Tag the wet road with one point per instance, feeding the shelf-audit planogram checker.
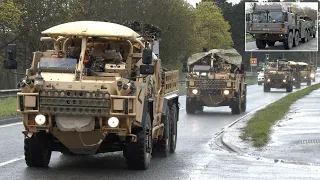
(196, 157)
(311, 45)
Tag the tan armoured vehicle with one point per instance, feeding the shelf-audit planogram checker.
(101, 89)
(278, 74)
(215, 78)
(305, 74)
(296, 74)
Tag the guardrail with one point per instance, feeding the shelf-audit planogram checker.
(9, 93)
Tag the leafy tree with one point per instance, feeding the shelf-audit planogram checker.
(211, 29)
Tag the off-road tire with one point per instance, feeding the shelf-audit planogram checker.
(314, 35)
(200, 108)
(236, 107)
(162, 147)
(296, 39)
(305, 39)
(298, 85)
(288, 42)
(266, 88)
(138, 155)
(261, 44)
(289, 88)
(190, 109)
(271, 43)
(244, 102)
(309, 82)
(308, 36)
(173, 128)
(313, 80)
(37, 150)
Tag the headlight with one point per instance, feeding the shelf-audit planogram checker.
(268, 80)
(113, 122)
(284, 80)
(312, 75)
(294, 79)
(305, 77)
(195, 91)
(226, 92)
(40, 119)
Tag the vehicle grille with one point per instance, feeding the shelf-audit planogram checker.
(204, 84)
(74, 102)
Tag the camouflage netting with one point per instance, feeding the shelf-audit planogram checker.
(229, 55)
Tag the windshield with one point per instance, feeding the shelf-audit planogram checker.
(266, 17)
(58, 63)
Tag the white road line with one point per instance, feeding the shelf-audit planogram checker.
(182, 109)
(12, 124)
(11, 161)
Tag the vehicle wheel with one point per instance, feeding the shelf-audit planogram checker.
(261, 44)
(271, 43)
(298, 85)
(309, 82)
(139, 153)
(37, 150)
(313, 80)
(163, 146)
(244, 102)
(314, 35)
(305, 39)
(259, 83)
(236, 108)
(296, 39)
(173, 128)
(200, 109)
(308, 36)
(190, 108)
(266, 88)
(289, 88)
(288, 42)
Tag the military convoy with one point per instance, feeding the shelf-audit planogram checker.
(273, 22)
(305, 73)
(101, 89)
(215, 78)
(278, 74)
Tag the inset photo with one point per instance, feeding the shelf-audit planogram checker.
(281, 26)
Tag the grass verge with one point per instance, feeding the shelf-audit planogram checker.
(251, 80)
(8, 107)
(258, 127)
(249, 37)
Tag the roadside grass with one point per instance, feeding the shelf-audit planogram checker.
(251, 80)
(8, 107)
(182, 89)
(249, 37)
(258, 127)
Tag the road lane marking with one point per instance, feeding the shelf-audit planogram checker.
(11, 161)
(12, 124)
(182, 109)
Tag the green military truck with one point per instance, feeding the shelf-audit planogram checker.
(273, 22)
(305, 73)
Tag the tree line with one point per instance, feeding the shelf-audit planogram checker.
(185, 29)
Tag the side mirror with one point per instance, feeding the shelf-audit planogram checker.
(147, 56)
(285, 17)
(11, 63)
(146, 69)
(185, 67)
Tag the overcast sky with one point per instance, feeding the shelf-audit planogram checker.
(308, 4)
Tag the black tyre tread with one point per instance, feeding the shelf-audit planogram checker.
(173, 127)
(136, 152)
(190, 109)
(244, 103)
(34, 149)
(163, 149)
